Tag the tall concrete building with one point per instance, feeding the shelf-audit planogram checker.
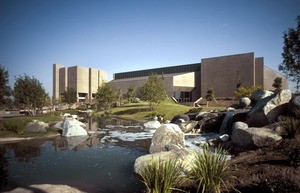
(82, 79)
(189, 82)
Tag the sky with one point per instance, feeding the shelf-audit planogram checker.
(127, 35)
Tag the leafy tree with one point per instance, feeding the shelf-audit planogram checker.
(291, 54)
(277, 83)
(130, 94)
(29, 93)
(119, 97)
(105, 96)
(210, 95)
(69, 96)
(246, 92)
(4, 88)
(153, 91)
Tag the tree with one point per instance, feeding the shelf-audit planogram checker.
(246, 92)
(105, 96)
(277, 83)
(69, 96)
(153, 91)
(4, 88)
(29, 93)
(119, 97)
(130, 94)
(210, 95)
(290, 65)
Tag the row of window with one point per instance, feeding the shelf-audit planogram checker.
(160, 71)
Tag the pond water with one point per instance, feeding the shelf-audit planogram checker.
(102, 162)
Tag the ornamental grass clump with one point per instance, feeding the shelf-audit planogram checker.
(161, 176)
(211, 171)
(292, 125)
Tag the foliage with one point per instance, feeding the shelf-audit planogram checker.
(277, 83)
(210, 170)
(69, 96)
(153, 91)
(119, 97)
(131, 94)
(105, 96)
(290, 65)
(4, 88)
(291, 125)
(161, 176)
(210, 94)
(246, 92)
(29, 93)
(15, 125)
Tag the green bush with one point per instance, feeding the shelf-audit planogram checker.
(161, 176)
(15, 125)
(245, 92)
(210, 170)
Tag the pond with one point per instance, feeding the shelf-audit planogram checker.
(102, 162)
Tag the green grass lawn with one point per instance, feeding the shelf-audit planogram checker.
(168, 109)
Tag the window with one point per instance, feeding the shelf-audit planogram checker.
(183, 96)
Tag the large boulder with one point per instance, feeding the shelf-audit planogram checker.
(244, 102)
(184, 157)
(152, 124)
(73, 127)
(260, 94)
(267, 110)
(36, 126)
(166, 138)
(211, 122)
(253, 137)
(187, 127)
(49, 188)
(180, 118)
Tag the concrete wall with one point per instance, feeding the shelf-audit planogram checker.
(222, 73)
(259, 71)
(184, 80)
(270, 75)
(63, 79)
(56, 68)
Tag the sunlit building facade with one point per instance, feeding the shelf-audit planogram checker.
(85, 81)
(189, 82)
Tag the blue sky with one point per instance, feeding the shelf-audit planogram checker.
(126, 35)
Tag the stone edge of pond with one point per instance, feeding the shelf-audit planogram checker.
(4, 140)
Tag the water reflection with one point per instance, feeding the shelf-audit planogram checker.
(102, 161)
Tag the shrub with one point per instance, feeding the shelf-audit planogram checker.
(292, 125)
(245, 92)
(161, 176)
(210, 170)
(15, 125)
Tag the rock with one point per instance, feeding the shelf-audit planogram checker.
(57, 125)
(244, 102)
(187, 127)
(72, 127)
(224, 137)
(36, 126)
(253, 137)
(152, 124)
(185, 157)
(260, 94)
(267, 110)
(166, 138)
(49, 188)
(211, 122)
(225, 127)
(180, 118)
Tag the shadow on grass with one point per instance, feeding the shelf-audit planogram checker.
(132, 111)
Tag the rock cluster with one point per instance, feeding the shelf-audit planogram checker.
(251, 125)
